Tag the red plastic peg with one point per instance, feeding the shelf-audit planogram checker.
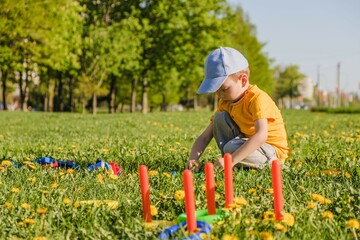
(145, 192)
(210, 188)
(277, 187)
(228, 175)
(189, 201)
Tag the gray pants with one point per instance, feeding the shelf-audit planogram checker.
(229, 138)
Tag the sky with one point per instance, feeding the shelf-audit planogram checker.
(316, 35)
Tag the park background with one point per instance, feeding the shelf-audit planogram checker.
(81, 56)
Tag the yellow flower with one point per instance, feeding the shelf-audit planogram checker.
(99, 178)
(70, 170)
(40, 238)
(15, 190)
(105, 150)
(76, 204)
(347, 175)
(5, 163)
(29, 221)
(67, 201)
(25, 206)
(269, 216)
(353, 223)
(328, 215)
(179, 195)
(32, 179)
(54, 185)
(229, 237)
(280, 227)
(240, 201)
(266, 236)
(8, 205)
(153, 210)
(167, 175)
(270, 190)
(46, 192)
(311, 205)
(113, 176)
(252, 191)
(321, 199)
(41, 210)
(153, 173)
(289, 219)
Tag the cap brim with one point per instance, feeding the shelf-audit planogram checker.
(211, 85)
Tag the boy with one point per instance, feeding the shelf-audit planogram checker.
(247, 123)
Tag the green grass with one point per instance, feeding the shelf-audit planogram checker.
(162, 141)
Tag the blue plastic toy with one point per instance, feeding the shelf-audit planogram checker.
(204, 228)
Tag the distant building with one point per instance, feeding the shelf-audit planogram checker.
(306, 88)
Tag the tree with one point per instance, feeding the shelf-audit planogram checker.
(288, 82)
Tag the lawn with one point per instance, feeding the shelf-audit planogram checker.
(321, 179)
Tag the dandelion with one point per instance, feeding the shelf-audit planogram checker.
(15, 190)
(179, 195)
(240, 201)
(266, 236)
(40, 238)
(288, 220)
(177, 143)
(328, 215)
(99, 178)
(280, 227)
(270, 190)
(8, 205)
(5, 163)
(25, 206)
(41, 210)
(73, 146)
(220, 223)
(66, 201)
(269, 216)
(353, 223)
(167, 175)
(311, 205)
(153, 210)
(153, 173)
(105, 150)
(229, 237)
(46, 192)
(54, 185)
(29, 221)
(70, 170)
(347, 175)
(76, 204)
(252, 191)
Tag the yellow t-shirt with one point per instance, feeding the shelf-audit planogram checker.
(257, 104)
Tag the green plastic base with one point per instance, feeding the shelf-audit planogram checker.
(202, 215)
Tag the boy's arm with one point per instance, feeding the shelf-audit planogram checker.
(253, 143)
(198, 148)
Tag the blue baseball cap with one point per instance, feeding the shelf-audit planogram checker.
(221, 63)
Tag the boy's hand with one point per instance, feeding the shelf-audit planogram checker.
(193, 165)
(219, 164)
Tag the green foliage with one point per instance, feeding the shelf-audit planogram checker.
(288, 82)
(336, 110)
(319, 143)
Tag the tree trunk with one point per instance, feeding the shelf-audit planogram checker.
(163, 104)
(111, 97)
(144, 96)
(21, 91)
(59, 106)
(3, 80)
(134, 84)
(94, 103)
(71, 95)
(26, 92)
(51, 90)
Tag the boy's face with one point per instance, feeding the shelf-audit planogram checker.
(233, 87)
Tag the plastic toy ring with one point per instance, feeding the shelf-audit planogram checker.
(205, 228)
(202, 215)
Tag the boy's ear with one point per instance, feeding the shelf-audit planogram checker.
(244, 79)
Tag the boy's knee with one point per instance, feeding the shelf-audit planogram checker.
(220, 117)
